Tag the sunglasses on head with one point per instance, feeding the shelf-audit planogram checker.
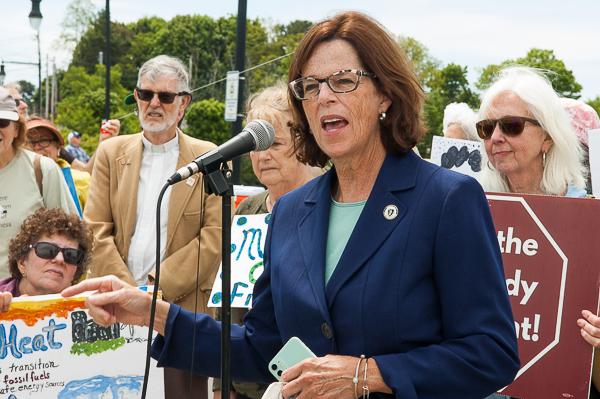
(509, 125)
(165, 97)
(46, 250)
(4, 123)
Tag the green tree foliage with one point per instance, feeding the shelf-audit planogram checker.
(94, 41)
(78, 17)
(205, 121)
(82, 105)
(426, 67)
(562, 79)
(209, 44)
(449, 86)
(595, 103)
(28, 91)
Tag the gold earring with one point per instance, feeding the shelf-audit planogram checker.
(24, 274)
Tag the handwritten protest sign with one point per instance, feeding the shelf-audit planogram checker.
(248, 235)
(550, 257)
(50, 348)
(462, 156)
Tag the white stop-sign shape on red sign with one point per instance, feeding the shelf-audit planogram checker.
(536, 270)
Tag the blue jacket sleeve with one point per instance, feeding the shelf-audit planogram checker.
(252, 345)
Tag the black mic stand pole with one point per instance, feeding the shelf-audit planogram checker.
(220, 183)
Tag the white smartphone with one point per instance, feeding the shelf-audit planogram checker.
(292, 353)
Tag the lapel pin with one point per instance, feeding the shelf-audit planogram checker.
(390, 212)
(190, 181)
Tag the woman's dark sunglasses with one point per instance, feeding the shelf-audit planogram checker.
(510, 125)
(46, 250)
(165, 97)
(4, 123)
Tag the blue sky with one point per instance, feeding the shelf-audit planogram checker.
(472, 33)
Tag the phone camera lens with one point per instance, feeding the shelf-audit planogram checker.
(274, 366)
(279, 373)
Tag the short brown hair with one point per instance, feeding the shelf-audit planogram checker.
(379, 53)
(50, 222)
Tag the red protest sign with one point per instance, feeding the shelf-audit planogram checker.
(550, 254)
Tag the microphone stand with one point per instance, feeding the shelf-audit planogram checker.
(219, 181)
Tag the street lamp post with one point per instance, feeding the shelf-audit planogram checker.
(35, 20)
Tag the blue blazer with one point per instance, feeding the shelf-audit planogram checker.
(423, 294)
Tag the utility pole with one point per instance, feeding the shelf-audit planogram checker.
(46, 113)
(54, 89)
(240, 65)
(107, 64)
(39, 74)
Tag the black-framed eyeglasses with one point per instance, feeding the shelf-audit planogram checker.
(165, 97)
(339, 82)
(46, 250)
(4, 123)
(509, 125)
(45, 142)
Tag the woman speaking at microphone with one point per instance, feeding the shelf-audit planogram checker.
(387, 267)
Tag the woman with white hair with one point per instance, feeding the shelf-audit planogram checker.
(459, 122)
(529, 142)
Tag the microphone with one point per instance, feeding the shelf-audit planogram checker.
(258, 135)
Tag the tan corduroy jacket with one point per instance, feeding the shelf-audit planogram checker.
(111, 209)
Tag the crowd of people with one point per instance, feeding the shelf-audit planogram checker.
(386, 266)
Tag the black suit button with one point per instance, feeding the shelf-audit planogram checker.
(326, 330)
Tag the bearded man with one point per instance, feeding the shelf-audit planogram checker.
(129, 173)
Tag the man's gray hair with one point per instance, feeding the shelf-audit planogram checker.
(13, 85)
(163, 65)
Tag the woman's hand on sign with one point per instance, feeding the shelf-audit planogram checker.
(590, 328)
(5, 299)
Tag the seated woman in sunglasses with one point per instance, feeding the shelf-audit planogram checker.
(50, 252)
(529, 142)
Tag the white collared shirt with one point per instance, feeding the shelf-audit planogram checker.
(159, 162)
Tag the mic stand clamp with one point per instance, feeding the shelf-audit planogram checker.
(220, 182)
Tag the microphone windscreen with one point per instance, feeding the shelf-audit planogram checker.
(262, 132)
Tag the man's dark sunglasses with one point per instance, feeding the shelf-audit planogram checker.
(18, 102)
(46, 250)
(4, 123)
(165, 97)
(510, 125)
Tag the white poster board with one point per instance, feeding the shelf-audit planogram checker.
(248, 236)
(594, 146)
(462, 156)
(51, 348)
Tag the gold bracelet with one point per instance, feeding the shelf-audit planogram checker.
(355, 379)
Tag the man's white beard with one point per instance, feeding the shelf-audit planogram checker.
(169, 121)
